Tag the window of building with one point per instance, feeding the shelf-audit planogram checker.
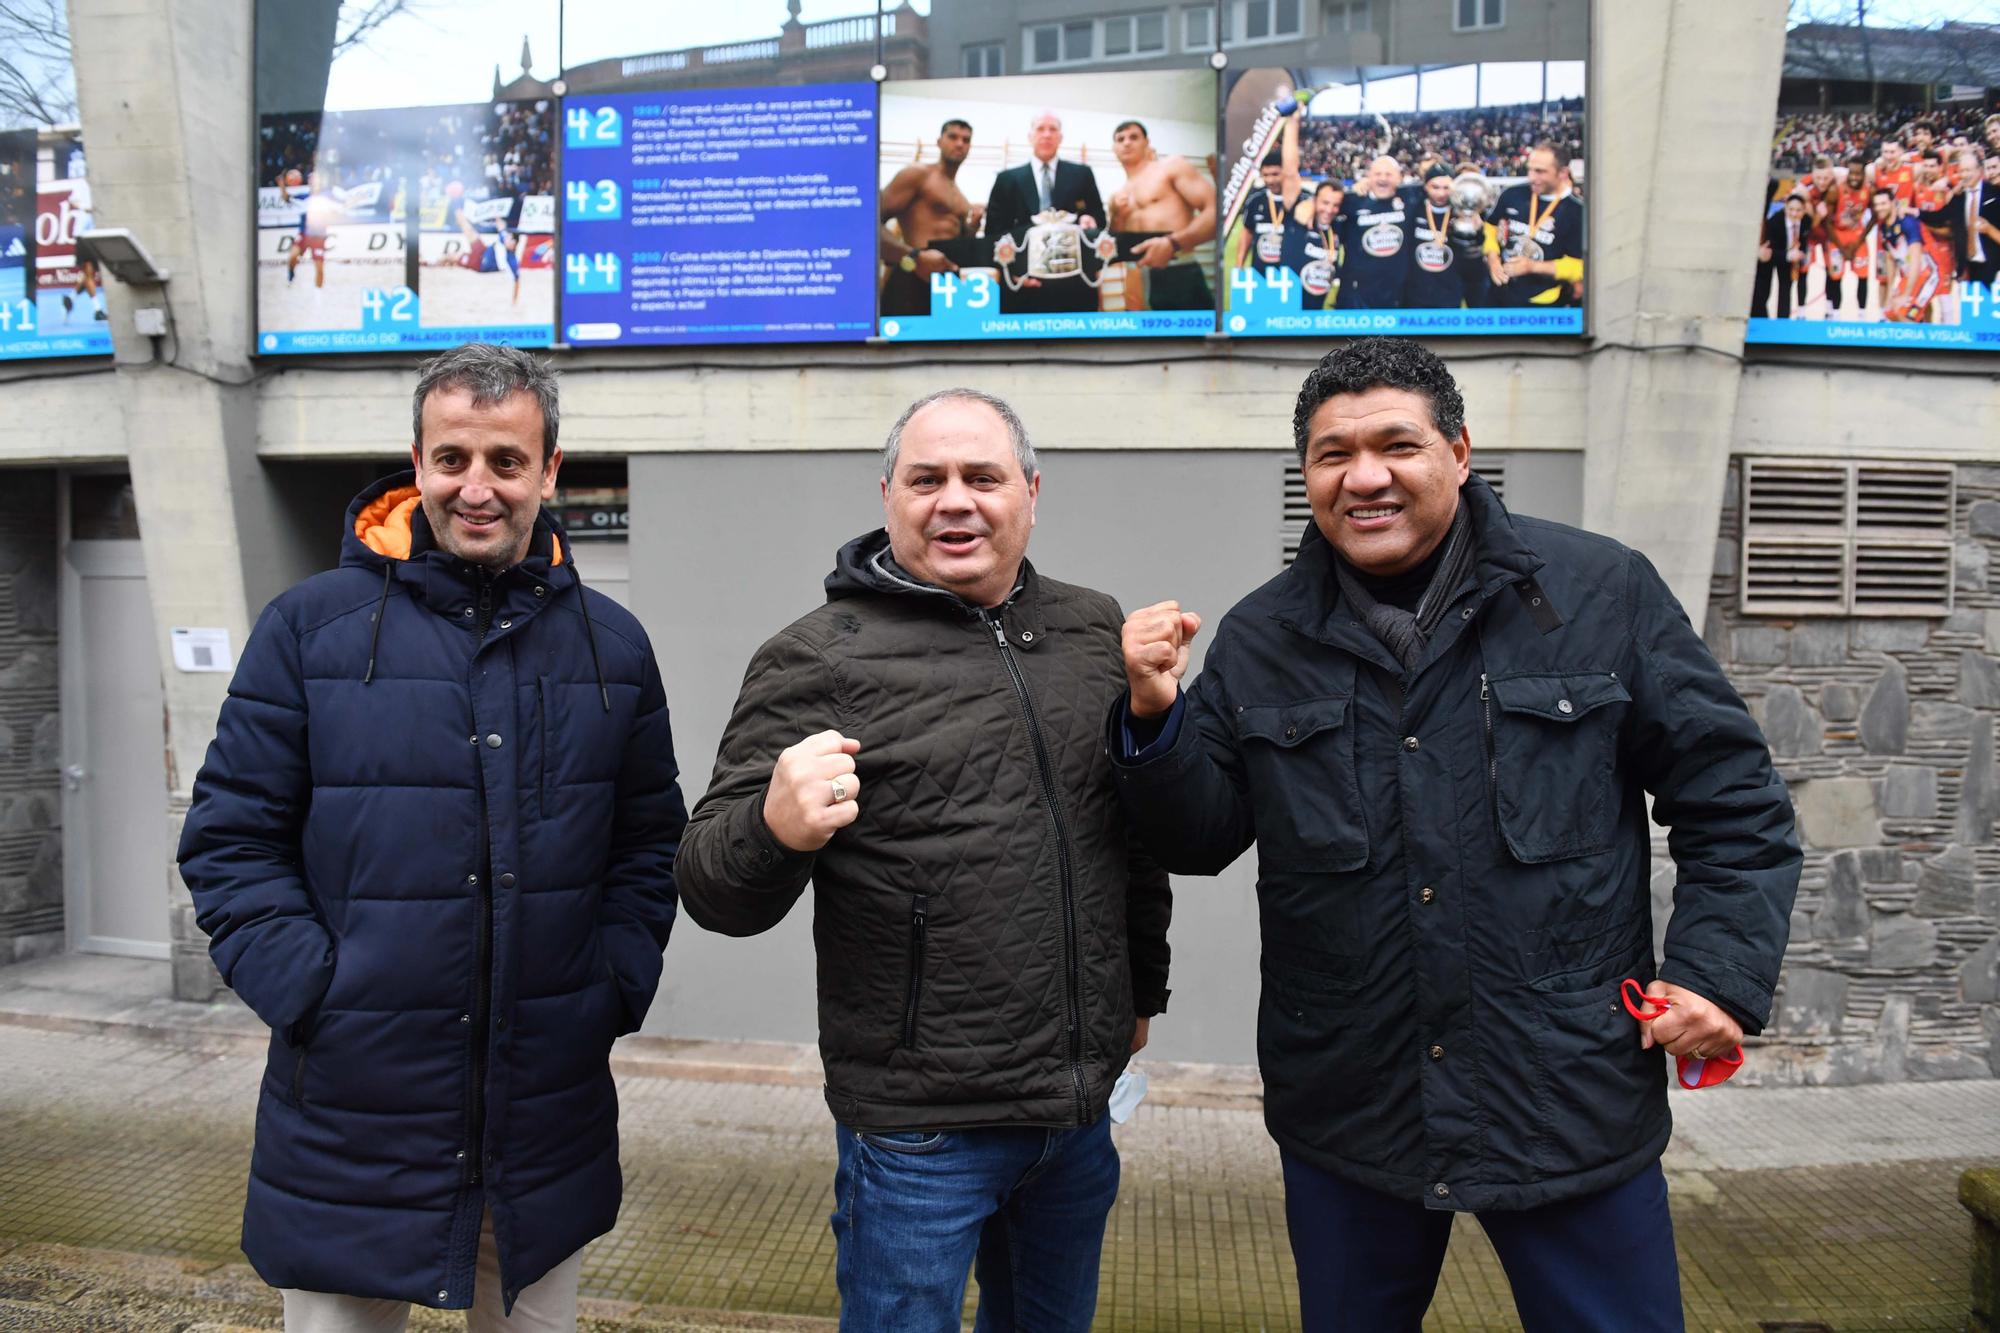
(1349, 17)
(1198, 28)
(1472, 15)
(1248, 22)
(1839, 538)
(1070, 43)
(985, 61)
(1130, 35)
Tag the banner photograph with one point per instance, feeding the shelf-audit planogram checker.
(407, 227)
(51, 302)
(1423, 200)
(1881, 223)
(1048, 206)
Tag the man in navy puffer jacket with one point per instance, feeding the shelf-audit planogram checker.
(432, 847)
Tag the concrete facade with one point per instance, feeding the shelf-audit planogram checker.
(1164, 478)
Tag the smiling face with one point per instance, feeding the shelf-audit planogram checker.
(1382, 480)
(482, 476)
(1045, 136)
(1326, 204)
(958, 508)
(1543, 171)
(1438, 190)
(1384, 175)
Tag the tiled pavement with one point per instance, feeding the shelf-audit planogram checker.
(1828, 1206)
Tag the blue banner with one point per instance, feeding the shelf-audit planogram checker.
(719, 216)
(1269, 307)
(1976, 307)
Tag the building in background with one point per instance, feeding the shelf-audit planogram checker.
(1829, 515)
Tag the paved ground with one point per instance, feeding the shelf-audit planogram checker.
(1832, 1207)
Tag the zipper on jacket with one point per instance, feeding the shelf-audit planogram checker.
(542, 720)
(1492, 753)
(918, 931)
(1046, 770)
(482, 995)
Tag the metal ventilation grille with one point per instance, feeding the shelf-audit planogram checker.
(1794, 576)
(1297, 510)
(1789, 495)
(1901, 496)
(1862, 538)
(1902, 578)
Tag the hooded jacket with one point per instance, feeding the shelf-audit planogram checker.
(985, 929)
(432, 847)
(1453, 866)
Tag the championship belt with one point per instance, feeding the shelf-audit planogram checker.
(1055, 247)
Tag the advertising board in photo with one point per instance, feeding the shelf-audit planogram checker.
(737, 215)
(51, 303)
(1881, 219)
(1445, 201)
(1048, 206)
(412, 228)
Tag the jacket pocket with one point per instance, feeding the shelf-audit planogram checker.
(1299, 758)
(1552, 745)
(913, 1001)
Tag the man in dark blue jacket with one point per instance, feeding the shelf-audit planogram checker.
(1440, 727)
(432, 847)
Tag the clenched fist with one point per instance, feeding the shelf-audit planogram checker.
(1155, 640)
(812, 791)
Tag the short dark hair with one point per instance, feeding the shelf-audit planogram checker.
(965, 125)
(1380, 363)
(491, 374)
(1274, 158)
(1124, 125)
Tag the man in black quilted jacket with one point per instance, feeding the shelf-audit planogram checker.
(926, 749)
(1440, 727)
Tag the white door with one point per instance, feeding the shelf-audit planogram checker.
(115, 850)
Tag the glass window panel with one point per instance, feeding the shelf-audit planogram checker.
(1077, 40)
(1118, 37)
(1287, 18)
(1048, 45)
(1152, 32)
(1256, 19)
(1198, 28)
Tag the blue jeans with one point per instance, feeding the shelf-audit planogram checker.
(915, 1211)
(1603, 1263)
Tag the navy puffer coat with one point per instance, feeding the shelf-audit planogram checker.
(434, 852)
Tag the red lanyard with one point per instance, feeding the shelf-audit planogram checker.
(1693, 1073)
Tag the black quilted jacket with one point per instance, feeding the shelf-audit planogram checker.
(985, 929)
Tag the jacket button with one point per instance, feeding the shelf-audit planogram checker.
(1027, 636)
(444, 1295)
(1466, 614)
(540, 590)
(1427, 894)
(464, 1018)
(473, 739)
(507, 880)
(1409, 742)
(1291, 733)
(493, 741)
(506, 624)
(472, 879)
(1442, 1190)
(1437, 1052)
(1564, 706)
(459, 1155)
(468, 613)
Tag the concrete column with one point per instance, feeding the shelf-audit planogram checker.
(165, 88)
(1674, 187)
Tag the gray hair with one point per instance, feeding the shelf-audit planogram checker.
(491, 374)
(1017, 434)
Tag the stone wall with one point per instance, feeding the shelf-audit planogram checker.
(31, 879)
(1884, 729)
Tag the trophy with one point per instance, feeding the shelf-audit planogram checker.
(1055, 246)
(1469, 201)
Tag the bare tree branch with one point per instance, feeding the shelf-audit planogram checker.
(37, 82)
(360, 19)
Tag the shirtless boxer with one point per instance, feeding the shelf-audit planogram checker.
(927, 206)
(1163, 194)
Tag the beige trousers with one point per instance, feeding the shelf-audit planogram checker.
(549, 1306)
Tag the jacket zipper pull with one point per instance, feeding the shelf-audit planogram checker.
(1482, 686)
(999, 631)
